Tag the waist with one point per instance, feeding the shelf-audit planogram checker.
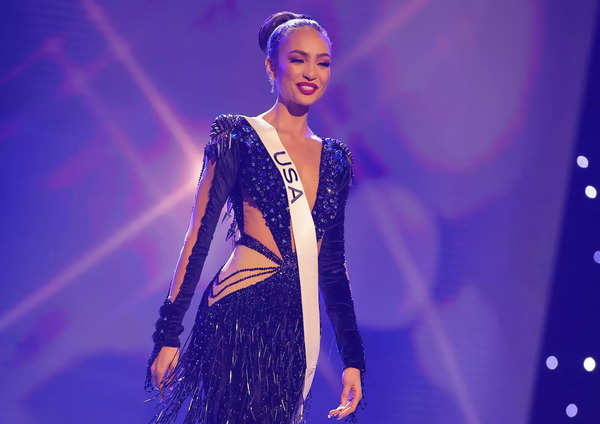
(256, 245)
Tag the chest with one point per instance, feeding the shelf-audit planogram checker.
(260, 178)
(306, 157)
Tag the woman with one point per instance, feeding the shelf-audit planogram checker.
(252, 351)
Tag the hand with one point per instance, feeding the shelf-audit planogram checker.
(351, 383)
(164, 363)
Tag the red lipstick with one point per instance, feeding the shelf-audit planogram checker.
(307, 88)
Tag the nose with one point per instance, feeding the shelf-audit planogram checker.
(309, 76)
(310, 72)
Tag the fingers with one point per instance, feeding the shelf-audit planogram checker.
(167, 378)
(348, 407)
(338, 410)
(356, 397)
(170, 373)
(157, 374)
(163, 370)
(344, 403)
(158, 378)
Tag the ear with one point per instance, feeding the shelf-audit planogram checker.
(269, 65)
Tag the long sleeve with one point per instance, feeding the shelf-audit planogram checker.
(334, 281)
(218, 176)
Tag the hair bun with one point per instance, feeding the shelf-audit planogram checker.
(273, 22)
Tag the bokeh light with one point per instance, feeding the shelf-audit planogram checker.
(590, 191)
(589, 364)
(552, 362)
(582, 161)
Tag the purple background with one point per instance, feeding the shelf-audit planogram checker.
(461, 115)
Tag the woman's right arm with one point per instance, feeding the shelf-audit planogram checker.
(218, 175)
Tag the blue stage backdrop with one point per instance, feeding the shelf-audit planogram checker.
(461, 116)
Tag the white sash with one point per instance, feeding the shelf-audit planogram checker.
(305, 239)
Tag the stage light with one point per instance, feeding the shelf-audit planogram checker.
(590, 192)
(552, 362)
(571, 410)
(589, 364)
(597, 256)
(582, 161)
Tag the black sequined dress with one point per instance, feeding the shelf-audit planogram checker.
(244, 361)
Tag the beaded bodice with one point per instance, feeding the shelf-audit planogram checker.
(259, 177)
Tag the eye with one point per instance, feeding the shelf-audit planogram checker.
(296, 60)
(324, 64)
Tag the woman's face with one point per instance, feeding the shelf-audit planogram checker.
(303, 69)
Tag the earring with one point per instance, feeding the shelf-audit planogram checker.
(272, 85)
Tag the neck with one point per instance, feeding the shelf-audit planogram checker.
(288, 118)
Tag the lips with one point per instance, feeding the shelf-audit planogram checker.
(307, 88)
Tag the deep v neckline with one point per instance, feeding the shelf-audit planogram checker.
(321, 157)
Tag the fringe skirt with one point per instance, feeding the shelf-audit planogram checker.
(244, 361)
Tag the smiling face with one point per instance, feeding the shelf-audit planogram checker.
(302, 70)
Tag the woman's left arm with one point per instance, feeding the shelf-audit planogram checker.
(335, 286)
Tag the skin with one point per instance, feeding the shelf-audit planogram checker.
(304, 55)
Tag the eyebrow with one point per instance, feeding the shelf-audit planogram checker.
(303, 53)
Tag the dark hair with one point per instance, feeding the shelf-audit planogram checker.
(273, 29)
